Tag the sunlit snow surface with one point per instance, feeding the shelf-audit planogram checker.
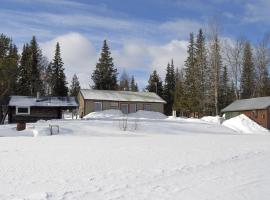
(172, 158)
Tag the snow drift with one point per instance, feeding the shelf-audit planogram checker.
(216, 119)
(111, 113)
(244, 124)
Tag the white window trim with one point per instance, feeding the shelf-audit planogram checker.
(17, 108)
(99, 102)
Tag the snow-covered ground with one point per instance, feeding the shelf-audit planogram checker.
(174, 158)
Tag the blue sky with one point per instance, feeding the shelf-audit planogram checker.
(143, 34)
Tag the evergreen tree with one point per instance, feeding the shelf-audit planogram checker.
(169, 88)
(201, 71)
(124, 82)
(248, 73)
(75, 86)
(154, 84)
(179, 101)
(105, 74)
(133, 85)
(191, 89)
(35, 79)
(59, 83)
(48, 79)
(24, 84)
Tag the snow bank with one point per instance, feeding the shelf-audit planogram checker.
(216, 119)
(147, 115)
(112, 113)
(243, 124)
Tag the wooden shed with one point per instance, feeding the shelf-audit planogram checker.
(257, 109)
(128, 102)
(25, 109)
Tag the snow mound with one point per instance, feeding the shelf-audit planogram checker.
(111, 113)
(244, 124)
(211, 119)
(147, 115)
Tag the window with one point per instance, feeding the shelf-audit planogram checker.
(124, 108)
(97, 106)
(114, 105)
(254, 113)
(147, 107)
(132, 108)
(22, 110)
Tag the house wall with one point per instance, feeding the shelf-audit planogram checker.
(36, 113)
(81, 104)
(87, 106)
(259, 116)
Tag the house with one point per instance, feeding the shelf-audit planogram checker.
(126, 101)
(257, 109)
(25, 109)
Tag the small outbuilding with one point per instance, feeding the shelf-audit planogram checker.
(25, 109)
(257, 109)
(128, 102)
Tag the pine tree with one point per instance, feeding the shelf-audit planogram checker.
(105, 74)
(35, 79)
(75, 86)
(248, 73)
(178, 103)
(24, 76)
(59, 83)
(133, 85)
(155, 84)
(124, 82)
(169, 88)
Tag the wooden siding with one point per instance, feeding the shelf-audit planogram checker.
(87, 106)
(36, 113)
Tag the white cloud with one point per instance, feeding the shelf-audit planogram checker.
(257, 11)
(78, 54)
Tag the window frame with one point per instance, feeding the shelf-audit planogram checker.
(124, 104)
(24, 113)
(98, 102)
(144, 106)
(130, 107)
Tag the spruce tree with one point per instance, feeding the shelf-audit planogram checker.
(105, 74)
(75, 86)
(59, 83)
(202, 71)
(133, 85)
(192, 93)
(124, 82)
(248, 73)
(169, 88)
(178, 103)
(24, 76)
(155, 84)
(35, 79)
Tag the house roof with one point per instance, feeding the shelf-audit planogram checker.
(43, 101)
(109, 95)
(248, 104)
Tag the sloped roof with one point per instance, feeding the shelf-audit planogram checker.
(109, 95)
(248, 104)
(43, 101)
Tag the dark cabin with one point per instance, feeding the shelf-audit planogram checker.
(26, 109)
(257, 109)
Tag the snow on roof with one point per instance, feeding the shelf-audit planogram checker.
(110, 95)
(248, 104)
(43, 101)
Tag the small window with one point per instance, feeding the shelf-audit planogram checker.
(97, 106)
(114, 105)
(254, 113)
(124, 108)
(22, 110)
(132, 108)
(263, 116)
(147, 107)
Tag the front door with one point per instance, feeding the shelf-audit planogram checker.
(124, 108)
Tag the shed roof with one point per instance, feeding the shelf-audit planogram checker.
(248, 104)
(109, 95)
(43, 101)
